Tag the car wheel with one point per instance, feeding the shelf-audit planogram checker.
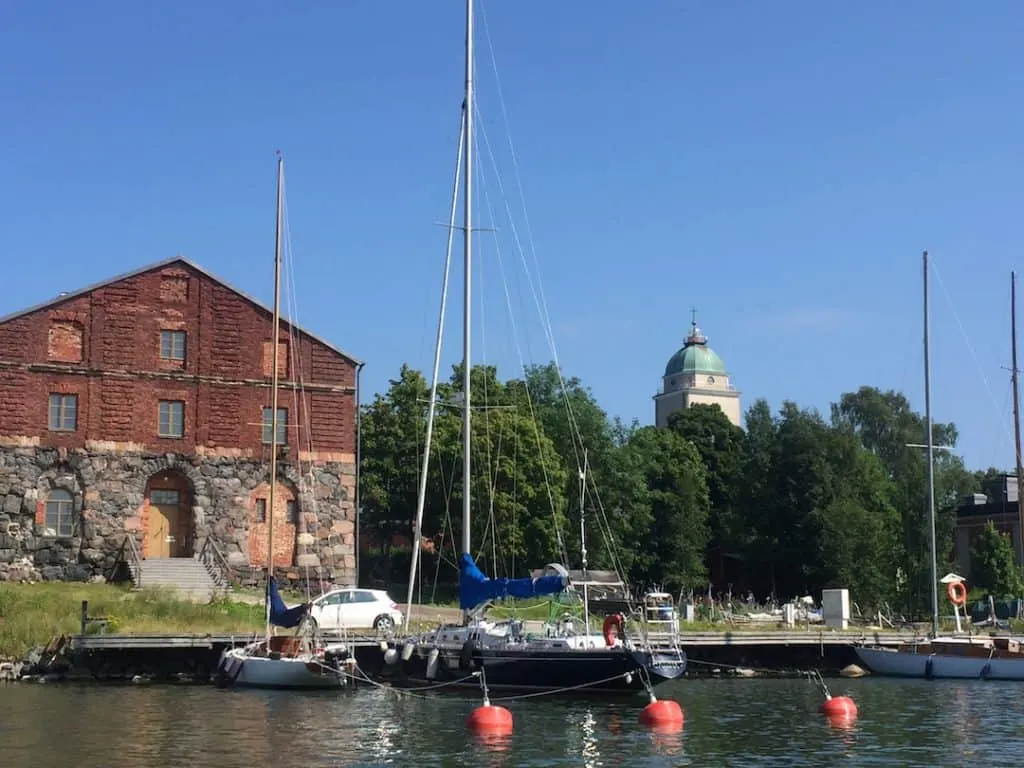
(384, 623)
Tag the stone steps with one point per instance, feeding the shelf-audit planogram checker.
(187, 575)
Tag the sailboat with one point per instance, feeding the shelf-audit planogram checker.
(452, 654)
(955, 656)
(281, 661)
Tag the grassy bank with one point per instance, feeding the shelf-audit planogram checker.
(31, 614)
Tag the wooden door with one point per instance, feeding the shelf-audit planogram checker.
(162, 530)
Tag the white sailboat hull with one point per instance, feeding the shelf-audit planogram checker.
(892, 663)
(239, 668)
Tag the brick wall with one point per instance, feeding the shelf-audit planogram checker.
(104, 347)
(285, 530)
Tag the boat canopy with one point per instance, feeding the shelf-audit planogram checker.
(280, 614)
(475, 588)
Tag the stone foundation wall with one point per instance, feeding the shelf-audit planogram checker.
(109, 491)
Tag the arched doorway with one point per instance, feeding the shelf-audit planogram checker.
(167, 516)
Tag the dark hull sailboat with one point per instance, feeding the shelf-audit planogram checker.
(452, 656)
(456, 655)
(554, 670)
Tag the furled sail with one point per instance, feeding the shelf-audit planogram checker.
(475, 588)
(280, 614)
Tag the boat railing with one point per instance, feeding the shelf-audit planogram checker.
(660, 627)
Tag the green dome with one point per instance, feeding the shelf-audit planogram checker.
(695, 356)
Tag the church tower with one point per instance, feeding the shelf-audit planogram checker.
(695, 374)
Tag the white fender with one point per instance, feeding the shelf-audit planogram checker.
(432, 663)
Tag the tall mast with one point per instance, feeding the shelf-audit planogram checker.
(421, 494)
(931, 450)
(467, 233)
(1016, 417)
(583, 543)
(273, 387)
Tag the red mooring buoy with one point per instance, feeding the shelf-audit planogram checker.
(490, 719)
(839, 706)
(662, 713)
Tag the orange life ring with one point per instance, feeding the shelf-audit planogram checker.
(957, 593)
(612, 628)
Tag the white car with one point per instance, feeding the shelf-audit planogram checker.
(353, 608)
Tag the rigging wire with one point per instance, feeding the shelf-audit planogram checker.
(562, 551)
(604, 526)
(970, 348)
(304, 420)
(537, 290)
(491, 530)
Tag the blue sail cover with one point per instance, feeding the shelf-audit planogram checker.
(280, 614)
(475, 588)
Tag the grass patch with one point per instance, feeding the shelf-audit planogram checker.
(32, 614)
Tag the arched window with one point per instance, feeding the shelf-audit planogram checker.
(60, 519)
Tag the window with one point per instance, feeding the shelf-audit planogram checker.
(261, 510)
(172, 418)
(291, 512)
(363, 597)
(282, 425)
(163, 498)
(60, 519)
(172, 345)
(63, 412)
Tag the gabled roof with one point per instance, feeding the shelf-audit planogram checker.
(160, 265)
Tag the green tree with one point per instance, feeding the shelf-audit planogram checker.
(885, 424)
(994, 564)
(662, 479)
(720, 445)
(518, 478)
(859, 528)
(392, 443)
(579, 429)
(815, 505)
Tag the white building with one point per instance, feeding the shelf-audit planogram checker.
(695, 374)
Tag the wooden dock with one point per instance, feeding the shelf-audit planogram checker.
(779, 652)
(814, 636)
(194, 657)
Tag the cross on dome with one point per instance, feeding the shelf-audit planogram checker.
(696, 336)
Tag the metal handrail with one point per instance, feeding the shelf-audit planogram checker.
(135, 558)
(211, 556)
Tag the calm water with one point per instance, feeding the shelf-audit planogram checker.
(728, 722)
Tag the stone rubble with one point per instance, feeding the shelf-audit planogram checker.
(108, 489)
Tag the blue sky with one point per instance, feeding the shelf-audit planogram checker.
(779, 166)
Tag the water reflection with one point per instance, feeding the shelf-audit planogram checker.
(666, 741)
(728, 722)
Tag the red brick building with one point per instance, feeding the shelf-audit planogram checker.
(141, 407)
